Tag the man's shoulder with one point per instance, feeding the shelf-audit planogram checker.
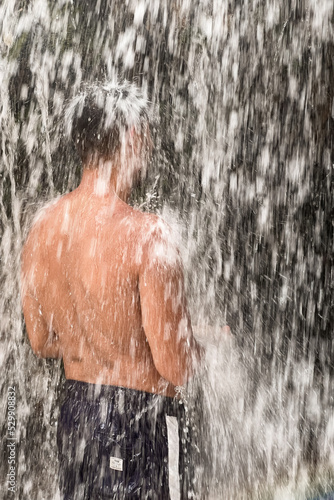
(44, 219)
(154, 223)
(158, 241)
(46, 211)
(151, 228)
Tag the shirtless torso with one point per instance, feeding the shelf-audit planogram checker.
(102, 287)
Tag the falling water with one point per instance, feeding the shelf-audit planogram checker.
(242, 118)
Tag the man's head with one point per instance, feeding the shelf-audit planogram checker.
(105, 118)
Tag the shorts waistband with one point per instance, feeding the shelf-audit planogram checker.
(78, 390)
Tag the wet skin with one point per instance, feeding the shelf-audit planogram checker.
(102, 287)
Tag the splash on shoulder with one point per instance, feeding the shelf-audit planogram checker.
(160, 241)
(44, 210)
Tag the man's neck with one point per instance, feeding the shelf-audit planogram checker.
(103, 182)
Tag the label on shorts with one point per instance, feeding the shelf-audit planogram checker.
(116, 463)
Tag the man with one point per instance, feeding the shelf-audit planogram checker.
(102, 288)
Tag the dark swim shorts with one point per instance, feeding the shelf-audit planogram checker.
(113, 444)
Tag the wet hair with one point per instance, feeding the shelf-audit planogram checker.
(97, 118)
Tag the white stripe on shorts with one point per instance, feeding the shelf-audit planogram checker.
(173, 457)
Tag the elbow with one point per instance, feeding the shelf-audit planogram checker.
(175, 380)
(176, 374)
(38, 349)
(179, 365)
(46, 350)
(39, 353)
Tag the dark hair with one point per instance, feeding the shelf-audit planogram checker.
(98, 116)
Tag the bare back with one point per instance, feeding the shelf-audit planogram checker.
(88, 266)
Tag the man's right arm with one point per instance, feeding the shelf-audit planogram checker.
(165, 316)
(44, 342)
